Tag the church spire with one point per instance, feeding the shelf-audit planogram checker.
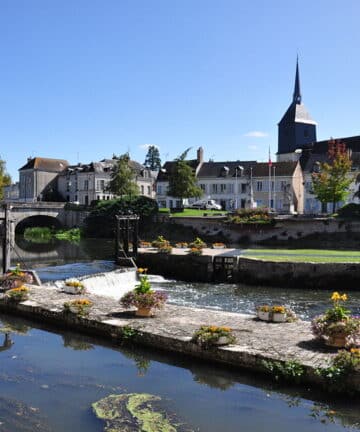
(297, 94)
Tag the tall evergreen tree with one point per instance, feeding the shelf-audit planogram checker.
(331, 183)
(152, 158)
(182, 180)
(122, 180)
(5, 178)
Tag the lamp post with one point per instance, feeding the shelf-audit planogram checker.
(241, 169)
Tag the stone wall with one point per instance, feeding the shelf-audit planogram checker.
(236, 269)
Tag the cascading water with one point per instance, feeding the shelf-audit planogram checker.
(111, 284)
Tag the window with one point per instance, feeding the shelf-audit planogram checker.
(203, 187)
(231, 187)
(100, 185)
(149, 190)
(243, 187)
(86, 184)
(259, 186)
(223, 188)
(214, 188)
(142, 189)
(283, 186)
(159, 190)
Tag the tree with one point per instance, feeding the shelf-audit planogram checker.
(122, 180)
(152, 158)
(331, 183)
(182, 180)
(5, 178)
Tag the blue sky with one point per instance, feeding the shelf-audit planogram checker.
(85, 79)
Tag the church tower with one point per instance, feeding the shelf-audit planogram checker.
(296, 128)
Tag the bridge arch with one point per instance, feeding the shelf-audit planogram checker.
(37, 221)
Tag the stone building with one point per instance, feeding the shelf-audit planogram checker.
(38, 179)
(84, 183)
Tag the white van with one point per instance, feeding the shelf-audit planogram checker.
(205, 205)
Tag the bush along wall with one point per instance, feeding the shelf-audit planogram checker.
(101, 221)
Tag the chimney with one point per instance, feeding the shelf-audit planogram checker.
(200, 155)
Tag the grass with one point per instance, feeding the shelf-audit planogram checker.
(303, 255)
(194, 212)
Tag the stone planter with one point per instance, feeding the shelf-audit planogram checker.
(278, 317)
(73, 289)
(144, 312)
(223, 340)
(263, 316)
(218, 246)
(18, 299)
(337, 340)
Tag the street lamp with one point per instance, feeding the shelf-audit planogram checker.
(241, 169)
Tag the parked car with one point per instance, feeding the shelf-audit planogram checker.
(205, 205)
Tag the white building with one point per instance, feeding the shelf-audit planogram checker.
(84, 183)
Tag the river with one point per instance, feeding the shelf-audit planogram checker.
(52, 377)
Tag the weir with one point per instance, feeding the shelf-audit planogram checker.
(112, 284)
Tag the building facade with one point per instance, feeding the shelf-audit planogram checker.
(84, 183)
(38, 179)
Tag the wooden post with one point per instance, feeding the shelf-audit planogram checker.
(6, 240)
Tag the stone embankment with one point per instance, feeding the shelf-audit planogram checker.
(227, 265)
(172, 330)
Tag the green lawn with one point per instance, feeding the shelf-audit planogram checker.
(194, 212)
(303, 255)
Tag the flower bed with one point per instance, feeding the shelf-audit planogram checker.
(144, 298)
(336, 327)
(73, 286)
(207, 336)
(17, 294)
(276, 313)
(79, 307)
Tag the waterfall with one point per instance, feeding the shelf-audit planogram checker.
(111, 284)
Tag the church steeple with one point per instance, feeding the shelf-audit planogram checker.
(297, 94)
(296, 128)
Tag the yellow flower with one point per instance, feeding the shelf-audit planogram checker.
(355, 351)
(344, 297)
(140, 270)
(226, 329)
(335, 296)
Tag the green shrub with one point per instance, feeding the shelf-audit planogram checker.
(351, 210)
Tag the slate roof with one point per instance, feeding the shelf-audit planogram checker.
(169, 167)
(218, 169)
(45, 164)
(297, 113)
(103, 166)
(282, 169)
(318, 152)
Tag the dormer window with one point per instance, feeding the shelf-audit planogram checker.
(225, 171)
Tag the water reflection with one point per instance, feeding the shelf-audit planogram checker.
(63, 373)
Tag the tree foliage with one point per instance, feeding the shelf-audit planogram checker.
(5, 178)
(182, 180)
(101, 220)
(122, 180)
(152, 158)
(331, 183)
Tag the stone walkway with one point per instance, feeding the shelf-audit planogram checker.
(276, 341)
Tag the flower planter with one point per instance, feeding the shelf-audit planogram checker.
(18, 299)
(337, 341)
(84, 310)
(223, 340)
(218, 246)
(144, 312)
(263, 316)
(73, 289)
(278, 317)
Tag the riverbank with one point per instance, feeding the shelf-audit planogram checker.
(259, 344)
(228, 265)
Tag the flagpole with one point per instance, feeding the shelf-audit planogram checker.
(274, 177)
(270, 163)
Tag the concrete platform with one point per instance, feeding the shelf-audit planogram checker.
(173, 327)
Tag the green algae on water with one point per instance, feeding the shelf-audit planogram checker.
(135, 412)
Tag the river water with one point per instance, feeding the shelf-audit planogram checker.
(51, 378)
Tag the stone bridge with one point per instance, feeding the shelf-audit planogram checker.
(19, 212)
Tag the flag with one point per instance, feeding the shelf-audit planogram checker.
(270, 163)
